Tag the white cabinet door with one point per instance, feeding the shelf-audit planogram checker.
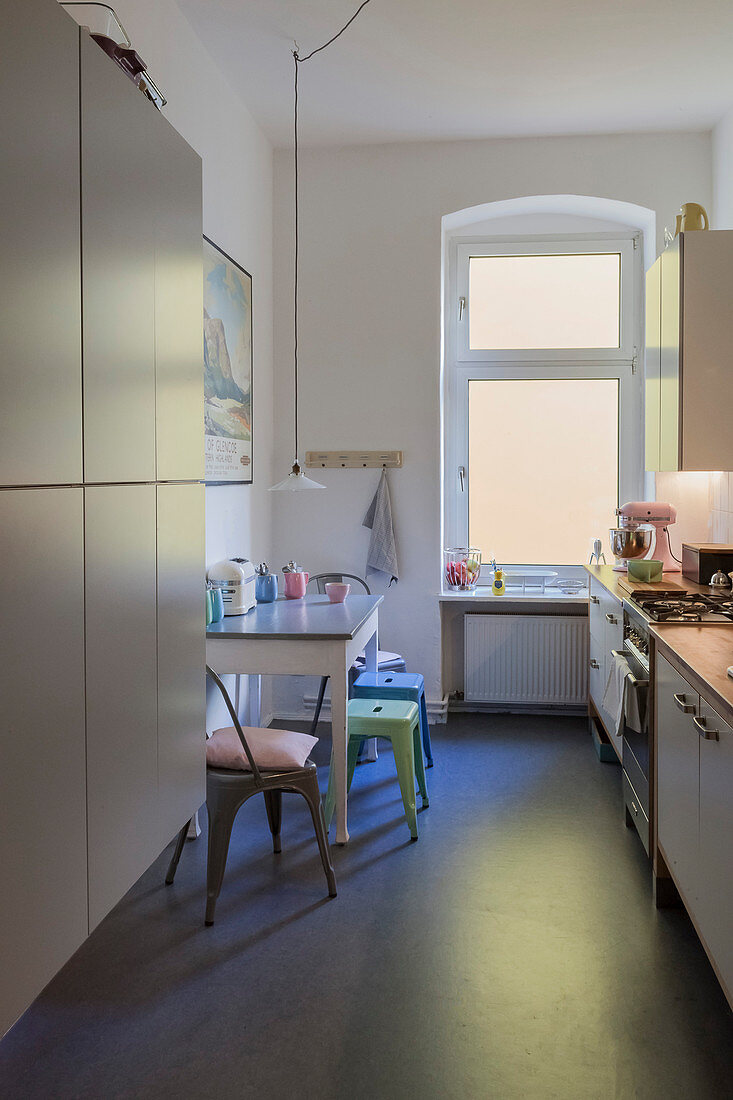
(118, 272)
(613, 639)
(596, 682)
(179, 283)
(678, 768)
(122, 719)
(595, 614)
(606, 633)
(652, 363)
(715, 912)
(181, 657)
(43, 857)
(40, 318)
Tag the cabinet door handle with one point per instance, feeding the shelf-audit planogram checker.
(611, 619)
(594, 599)
(594, 663)
(680, 699)
(705, 733)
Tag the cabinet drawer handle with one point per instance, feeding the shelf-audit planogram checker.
(611, 619)
(594, 663)
(594, 599)
(705, 733)
(686, 708)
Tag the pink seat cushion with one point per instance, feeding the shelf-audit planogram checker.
(279, 750)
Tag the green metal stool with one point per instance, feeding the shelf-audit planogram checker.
(399, 722)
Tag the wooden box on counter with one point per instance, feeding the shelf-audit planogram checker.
(701, 559)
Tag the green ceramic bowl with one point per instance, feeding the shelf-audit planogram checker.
(647, 570)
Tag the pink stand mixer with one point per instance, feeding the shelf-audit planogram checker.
(642, 533)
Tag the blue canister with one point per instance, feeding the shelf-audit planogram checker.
(217, 605)
(209, 607)
(266, 587)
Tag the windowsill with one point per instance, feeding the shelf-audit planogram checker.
(482, 594)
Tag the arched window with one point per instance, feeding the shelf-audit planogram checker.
(542, 392)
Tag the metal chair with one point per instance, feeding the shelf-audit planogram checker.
(394, 663)
(227, 791)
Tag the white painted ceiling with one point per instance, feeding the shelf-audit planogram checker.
(410, 70)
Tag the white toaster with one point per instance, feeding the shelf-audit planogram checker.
(236, 579)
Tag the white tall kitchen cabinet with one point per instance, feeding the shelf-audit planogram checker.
(689, 353)
(101, 501)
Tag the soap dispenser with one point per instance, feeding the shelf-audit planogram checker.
(498, 587)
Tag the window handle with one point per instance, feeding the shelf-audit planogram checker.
(461, 306)
(462, 478)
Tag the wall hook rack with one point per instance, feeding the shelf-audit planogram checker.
(352, 460)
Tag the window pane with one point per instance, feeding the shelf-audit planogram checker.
(531, 302)
(543, 467)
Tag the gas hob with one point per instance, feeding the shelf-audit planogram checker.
(689, 607)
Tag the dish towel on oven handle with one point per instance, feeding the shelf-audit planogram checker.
(613, 696)
(382, 555)
(635, 701)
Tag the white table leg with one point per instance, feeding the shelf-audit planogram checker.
(254, 696)
(371, 653)
(371, 664)
(339, 694)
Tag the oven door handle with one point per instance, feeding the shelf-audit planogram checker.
(633, 680)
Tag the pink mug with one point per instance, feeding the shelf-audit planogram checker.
(295, 585)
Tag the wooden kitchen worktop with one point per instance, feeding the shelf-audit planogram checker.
(605, 575)
(702, 655)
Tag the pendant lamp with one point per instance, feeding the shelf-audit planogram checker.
(296, 481)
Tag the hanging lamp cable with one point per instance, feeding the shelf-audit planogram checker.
(299, 61)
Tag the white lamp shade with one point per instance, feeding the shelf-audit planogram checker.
(296, 482)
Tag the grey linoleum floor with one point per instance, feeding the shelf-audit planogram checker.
(513, 952)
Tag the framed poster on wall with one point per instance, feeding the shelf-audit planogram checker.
(227, 368)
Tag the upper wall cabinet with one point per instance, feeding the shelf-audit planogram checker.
(689, 348)
(179, 352)
(118, 178)
(141, 285)
(40, 410)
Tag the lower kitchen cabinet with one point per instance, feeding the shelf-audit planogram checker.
(606, 634)
(715, 914)
(677, 763)
(181, 657)
(43, 901)
(121, 666)
(694, 760)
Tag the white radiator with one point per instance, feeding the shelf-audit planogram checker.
(532, 659)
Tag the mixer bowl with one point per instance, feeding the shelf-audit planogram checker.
(630, 542)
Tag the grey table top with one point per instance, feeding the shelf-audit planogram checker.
(313, 618)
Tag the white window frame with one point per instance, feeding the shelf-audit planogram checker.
(462, 365)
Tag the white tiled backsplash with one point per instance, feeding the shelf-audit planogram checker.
(702, 501)
(720, 503)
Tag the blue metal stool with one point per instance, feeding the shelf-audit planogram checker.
(397, 685)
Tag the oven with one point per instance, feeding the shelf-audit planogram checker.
(636, 752)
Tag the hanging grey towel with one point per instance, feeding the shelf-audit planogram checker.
(382, 554)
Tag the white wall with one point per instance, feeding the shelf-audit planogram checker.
(722, 212)
(237, 191)
(370, 326)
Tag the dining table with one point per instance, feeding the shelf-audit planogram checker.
(309, 636)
